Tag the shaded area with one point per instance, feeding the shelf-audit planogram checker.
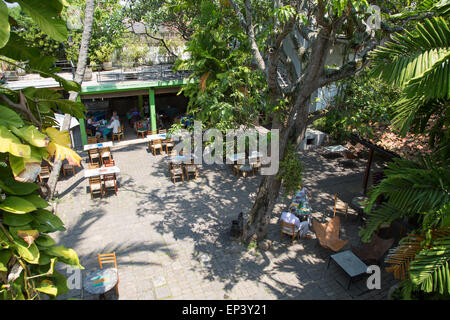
(172, 240)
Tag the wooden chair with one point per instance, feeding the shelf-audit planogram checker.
(169, 144)
(44, 174)
(118, 134)
(109, 163)
(92, 140)
(140, 129)
(236, 168)
(93, 165)
(328, 234)
(157, 144)
(106, 258)
(105, 153)
(172, 153)
(256, 164)
(176, 170)
(340, 207)
(94, 155)
(289, 229)
(95, 185)
(89, 133)
(109, 182)
(162, 131)
(149, 132)
(190, 168)
(67, 167)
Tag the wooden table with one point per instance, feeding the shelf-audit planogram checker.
(98, 145)
(350, 264)
(100, 281)
(152, 137)
(100, 171)
(236, 157)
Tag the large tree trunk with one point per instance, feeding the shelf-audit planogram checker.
(269, 189)
(81, 68)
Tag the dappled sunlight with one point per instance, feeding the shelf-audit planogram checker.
(180, 232)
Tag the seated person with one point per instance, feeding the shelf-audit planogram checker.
(91, 124)
(303, 227)
(114, 126)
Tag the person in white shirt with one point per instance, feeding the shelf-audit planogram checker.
(114, 125)
(303, 227)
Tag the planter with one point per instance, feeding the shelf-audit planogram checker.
(21, 72)
(87, 74)
(11, 75)
(107, 65)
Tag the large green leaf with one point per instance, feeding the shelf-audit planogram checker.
(18, 50)
(17, 205)
(47, 16)
(29, 253)
(60, 282)
(46, 286)
(11, 186)
(31, 135)
(73, 108)
(4, 24)
(48, 221)
(5, 255)
(44, 259)
(45, 241)
(66, 255)
(36, 200)
(9, 117)
(10, 143)
(16, 220)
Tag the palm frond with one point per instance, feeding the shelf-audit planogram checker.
(401, 256)
(430, 268)
(412, 54)
(385, 214)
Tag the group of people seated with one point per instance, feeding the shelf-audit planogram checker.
(102, 127)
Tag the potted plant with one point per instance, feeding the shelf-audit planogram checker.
(88, 72)
(11, 73)
(104, 55)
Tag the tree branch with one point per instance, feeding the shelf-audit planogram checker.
(22, 107)
(247, 25)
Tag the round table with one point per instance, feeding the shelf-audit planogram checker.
(100, 281)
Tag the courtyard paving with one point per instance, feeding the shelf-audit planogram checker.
(172, 240)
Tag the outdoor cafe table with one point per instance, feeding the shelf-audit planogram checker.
(100, 171)
(100, 281)
(235, 157)
(152, 137)
(239, 156)
(350, 264)
(98, 145)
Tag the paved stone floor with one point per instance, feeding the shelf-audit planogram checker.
(172, 239)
